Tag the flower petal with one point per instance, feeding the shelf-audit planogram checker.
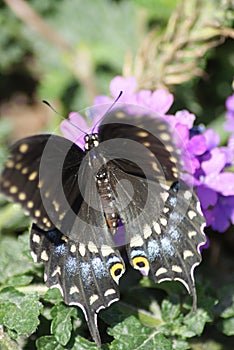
(74, 128)
(161, 101)
(185, 117)
(212, 138)
(222, 183)
(127, 85)
(206, 196)
(197, 145)
(216, 162)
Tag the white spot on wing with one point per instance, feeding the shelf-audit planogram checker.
(109, 292)
(82, 249)
(191, 234)
(73, 290)
(136, 241)
(160, 271)
(106, 250)
(192, 214)
(36, 238)
(163, 221)
(187, 254)
(164, 196)
(187, 195)
(93, 298)
(147, 231)
(176, 268)
(92, 247)
(73, 248)
(56, 271)
(44, 256)
(157, 227)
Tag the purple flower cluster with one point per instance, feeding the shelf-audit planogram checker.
(207, 165)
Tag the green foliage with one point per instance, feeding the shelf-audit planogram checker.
(26, 308)
(19, 312)
(131, 334)
(61, 325)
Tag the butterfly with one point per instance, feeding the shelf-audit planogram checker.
(127, 176)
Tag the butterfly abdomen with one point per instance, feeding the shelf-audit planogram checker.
(104, 190)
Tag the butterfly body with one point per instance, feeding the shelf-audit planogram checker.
(128, 173)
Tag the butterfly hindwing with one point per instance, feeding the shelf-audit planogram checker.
(169, 248)
(86, 274)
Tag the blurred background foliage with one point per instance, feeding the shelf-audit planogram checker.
(67, 52)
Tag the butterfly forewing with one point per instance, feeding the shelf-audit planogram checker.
(145, 145)
(40, 170)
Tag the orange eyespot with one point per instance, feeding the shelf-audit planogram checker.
(117, 271)
(141, 263)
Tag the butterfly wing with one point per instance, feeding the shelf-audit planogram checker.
(164, 232)
(70, 236)
(86, 274)
(162, 217)
(41, 175)
(141, 144)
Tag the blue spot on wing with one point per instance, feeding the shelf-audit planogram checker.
(167, 247)
(174, 234)
(137, 252)
(71, 265)
(172, 200)
(60, 249)
(99, 268)
(85, 271)
(112, 260)
(153, 250)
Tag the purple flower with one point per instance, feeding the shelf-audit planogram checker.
(222, 215)
(158, 101)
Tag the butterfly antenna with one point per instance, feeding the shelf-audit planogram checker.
(54, 110)
(109, 109)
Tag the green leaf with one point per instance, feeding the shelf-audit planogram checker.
(13, 258)
(84, 344)
(195, 321)
(6, 343)
(227, 326)
(12, 217)
(48, 343)
(61, 325)
(131, 335)
(170, 312)
(53, 295)
(19, 312)
(180, 345)
(21, 280)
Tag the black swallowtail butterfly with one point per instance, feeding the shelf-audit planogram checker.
(128, 173)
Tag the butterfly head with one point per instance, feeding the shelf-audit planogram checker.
(91, 141)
